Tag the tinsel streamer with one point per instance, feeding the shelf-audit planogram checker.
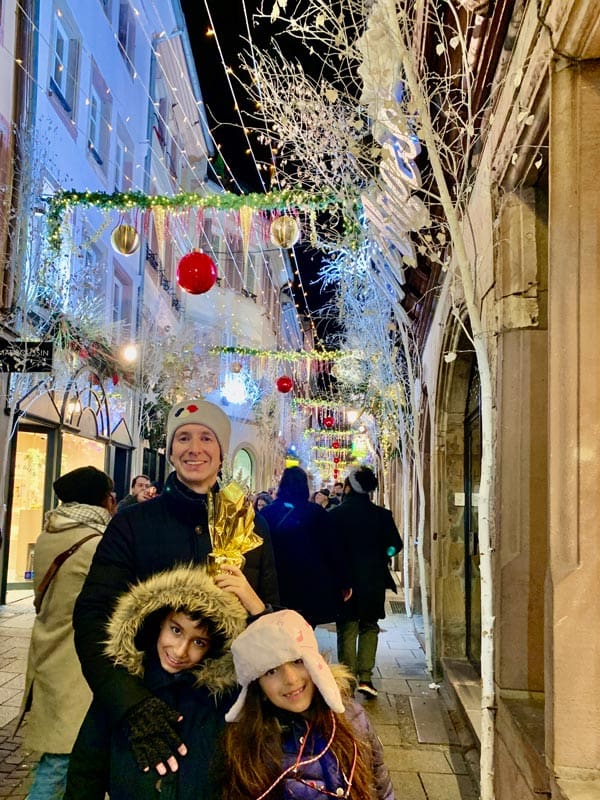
(246, 214)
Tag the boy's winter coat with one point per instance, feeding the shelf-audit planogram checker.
(202, 694)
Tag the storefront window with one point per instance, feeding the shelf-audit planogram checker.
(242, 469)
(80, 452)
(28, 504)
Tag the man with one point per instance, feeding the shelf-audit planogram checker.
(152, 537)
(338, 491)
(370, 539)
(138, 494)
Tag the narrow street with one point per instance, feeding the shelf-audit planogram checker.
(428, 748)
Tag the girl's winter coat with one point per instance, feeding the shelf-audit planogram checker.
(324, 773)
(202, 695)
(56, 693)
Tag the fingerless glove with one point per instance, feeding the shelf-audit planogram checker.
(152, 731)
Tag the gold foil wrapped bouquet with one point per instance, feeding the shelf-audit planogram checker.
(231, 526)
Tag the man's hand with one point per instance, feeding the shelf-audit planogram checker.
(154, 740)
(233, 580)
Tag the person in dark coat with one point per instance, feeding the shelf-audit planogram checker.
(148, 538)
(311, 568)
(174, 631)
(370, 539)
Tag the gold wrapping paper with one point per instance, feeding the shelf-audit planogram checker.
(231, 526)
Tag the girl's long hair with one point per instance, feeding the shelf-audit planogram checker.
(253, 749)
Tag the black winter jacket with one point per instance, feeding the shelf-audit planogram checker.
(310, 562)
(367, 531)
(102, 759)
(150, 537)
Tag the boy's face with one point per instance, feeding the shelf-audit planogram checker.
(182, 642)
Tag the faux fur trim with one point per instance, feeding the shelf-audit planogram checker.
(188, 588)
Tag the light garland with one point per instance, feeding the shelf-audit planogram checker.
(282, 355)
(223, 201)
(303, 402)
(331, 432)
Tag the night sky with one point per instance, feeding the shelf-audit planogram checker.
(229, 23)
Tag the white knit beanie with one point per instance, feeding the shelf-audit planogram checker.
(275, 639)
(199, 412)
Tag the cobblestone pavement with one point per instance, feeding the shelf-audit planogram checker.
(429, 751)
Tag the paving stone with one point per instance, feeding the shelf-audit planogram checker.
(448, 787)
(407, 786)
(412, 760)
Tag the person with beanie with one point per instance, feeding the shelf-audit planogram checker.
(370, 538)
(174, 631)
(56, 695)
(311, 567)
(147, 538)
(295, 731)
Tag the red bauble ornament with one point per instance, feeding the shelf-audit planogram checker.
(336, 459)
(328, 422)
(196, 273)
(335, 445)
(115, 378)
(83, 353)
(284, 384)
(335, 473)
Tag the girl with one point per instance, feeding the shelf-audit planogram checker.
(297, 733)
(174, 630)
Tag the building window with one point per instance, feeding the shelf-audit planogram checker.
(121, 304)
(65, 65)
(126, 35)
(95, 126)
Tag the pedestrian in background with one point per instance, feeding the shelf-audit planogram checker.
(56, 695)
(157, 535)
(370, 539)
(311, 568)
(296, 732)
(139, 487)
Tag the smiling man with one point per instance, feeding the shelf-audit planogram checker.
(154, 536)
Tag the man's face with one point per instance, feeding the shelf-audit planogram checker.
(338, 490)
(140, 486)
(196, 456)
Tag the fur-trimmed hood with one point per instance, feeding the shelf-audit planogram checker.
(187, 589)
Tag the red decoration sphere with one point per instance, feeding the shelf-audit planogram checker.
(328, 422)
(335, 473)
(284, 384)
(196, 273)
(335, 445)
(336, 459)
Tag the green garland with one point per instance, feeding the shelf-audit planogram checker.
(307, 402)
(281, 355)
(329, 432)
(126, 201)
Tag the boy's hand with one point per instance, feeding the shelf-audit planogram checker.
(233, 580)
(153, 736)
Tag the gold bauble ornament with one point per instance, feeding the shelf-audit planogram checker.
(125, 240)
(236, 367)
(285, 232)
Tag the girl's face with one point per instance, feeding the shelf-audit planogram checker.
(289, 686)
(182, 642)
(260, 503)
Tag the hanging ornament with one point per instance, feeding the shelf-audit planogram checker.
(285, 232)
(236, 367)
(196, 273)
(125, 240)
(335, 445)
(335, 473)
(83, 353)
(336, 459)
(328, 422)
(114, 378)
(284, 384)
